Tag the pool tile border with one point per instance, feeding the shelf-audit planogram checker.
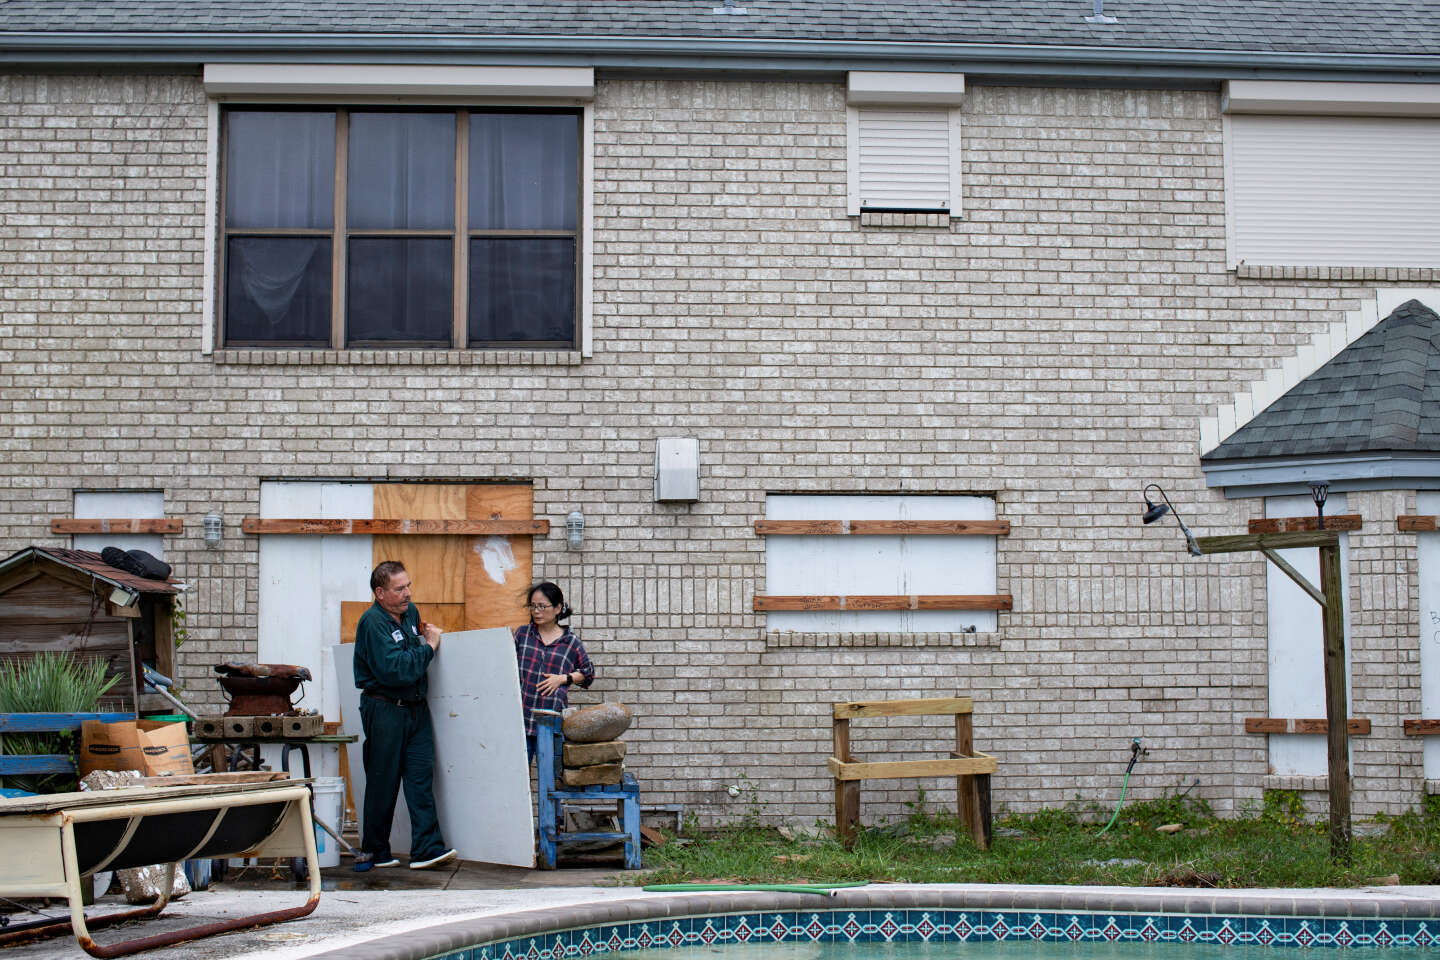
(934, 914)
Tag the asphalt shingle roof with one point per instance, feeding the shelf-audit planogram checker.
(1381, 394)
(1386, 27)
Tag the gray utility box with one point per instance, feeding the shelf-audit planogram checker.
(677, 469)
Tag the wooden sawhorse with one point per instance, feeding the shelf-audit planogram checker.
(970, 769)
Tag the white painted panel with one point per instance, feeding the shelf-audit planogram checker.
(303, 580)
(1428, 502)
(904, 159)
(1296, 644)
(851, 564)
(133, 505)
(482, 777)
(1334, 191)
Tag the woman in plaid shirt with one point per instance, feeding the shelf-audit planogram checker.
(550, 657)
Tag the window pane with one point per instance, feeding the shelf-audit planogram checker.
(277, 289)
(400, 289)
(522, 288)
(279, 169)
(402, 171)
(524, 171)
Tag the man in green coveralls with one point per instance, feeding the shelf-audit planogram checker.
(393, 649)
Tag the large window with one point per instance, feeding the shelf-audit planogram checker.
(427, 228)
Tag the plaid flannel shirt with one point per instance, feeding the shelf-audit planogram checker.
(535, 660)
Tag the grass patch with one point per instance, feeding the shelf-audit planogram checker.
(1272, 848)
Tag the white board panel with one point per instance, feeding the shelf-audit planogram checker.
(482, 778)
(1428, 502)
(1296, 645)
(128, 505)
(849, 564)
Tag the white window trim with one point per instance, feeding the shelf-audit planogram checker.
(348, 85)
(1331, 98)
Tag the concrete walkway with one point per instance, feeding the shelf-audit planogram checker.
(397, 902)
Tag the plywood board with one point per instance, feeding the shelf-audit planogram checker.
(422, 501)
(436, 564)
(498, 568)
(482, 778)
(447, 616)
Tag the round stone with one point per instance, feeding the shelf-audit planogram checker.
(597, 724)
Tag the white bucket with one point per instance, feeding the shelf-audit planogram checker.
(329, 795)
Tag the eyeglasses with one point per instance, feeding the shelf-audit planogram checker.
(537, 607)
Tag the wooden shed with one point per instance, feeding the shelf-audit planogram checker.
(73, 601)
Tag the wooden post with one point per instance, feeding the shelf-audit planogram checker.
(1336, 713)
(847, 792)
(967, 800)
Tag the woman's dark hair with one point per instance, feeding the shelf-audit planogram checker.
(556, 597)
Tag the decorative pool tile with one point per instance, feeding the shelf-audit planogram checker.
(958, 926)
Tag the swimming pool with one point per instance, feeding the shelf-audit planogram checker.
(1272, 923)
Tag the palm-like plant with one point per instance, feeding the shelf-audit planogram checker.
(48, 683)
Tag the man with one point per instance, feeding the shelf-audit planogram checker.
(393, 649)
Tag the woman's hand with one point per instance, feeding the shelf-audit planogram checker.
(551, 682)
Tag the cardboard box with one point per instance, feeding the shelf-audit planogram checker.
(156, 748)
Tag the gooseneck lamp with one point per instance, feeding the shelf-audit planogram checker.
(1154, 511)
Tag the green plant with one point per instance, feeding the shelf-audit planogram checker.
(1284, 807)
(178, 631)
(48, 683)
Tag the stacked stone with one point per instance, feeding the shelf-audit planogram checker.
(593, 753)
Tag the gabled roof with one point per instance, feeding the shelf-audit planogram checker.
(91, 564)
(1380, 395)
(1337, 35)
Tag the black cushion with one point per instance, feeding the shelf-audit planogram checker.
(136, 562)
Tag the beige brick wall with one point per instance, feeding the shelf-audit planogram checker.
(1056, 347)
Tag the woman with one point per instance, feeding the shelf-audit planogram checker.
(550, 656)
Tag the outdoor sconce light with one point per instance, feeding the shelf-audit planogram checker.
(211, 526)
(1154, 511)
(1319, 492)
(575, 529)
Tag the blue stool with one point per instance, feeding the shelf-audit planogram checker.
(553, 796)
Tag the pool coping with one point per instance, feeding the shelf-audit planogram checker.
(441, 939)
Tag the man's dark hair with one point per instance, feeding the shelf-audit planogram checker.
(385, 573)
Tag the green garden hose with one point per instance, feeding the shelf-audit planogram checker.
(1134, 755)
(820, 889)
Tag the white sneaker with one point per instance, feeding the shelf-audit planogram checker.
(435, 861)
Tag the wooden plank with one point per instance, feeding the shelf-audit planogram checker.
(54, 722)
(436, 564)
(398, 527)
(921, 707)
(967, 798)
(1341, 521)
(1359, 726)
(874, 528)
(999, 601)
(164, 635)
(847, 793)
(498, 568)
(1421, 728)
(211, 779)
(71, 525)
(798, 528)
(1245, 543)
(1418, 523)
(910, 769)
(447, 616)
(36, 764)
(946, 528)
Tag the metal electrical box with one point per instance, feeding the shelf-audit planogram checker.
(677, 469)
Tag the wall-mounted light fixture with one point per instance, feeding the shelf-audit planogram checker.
(1154, 511)
(575, 529)
(1319, 492)
(212, 528)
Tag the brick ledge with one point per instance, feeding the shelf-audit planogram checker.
(792, 638)
(400, 357)
(1395, 274)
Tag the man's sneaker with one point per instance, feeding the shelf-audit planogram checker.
(435, 861)
(365, 861)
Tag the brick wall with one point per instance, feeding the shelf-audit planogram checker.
(1056, 347)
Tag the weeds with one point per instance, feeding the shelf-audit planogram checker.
(1272, 847)
(48, 683)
